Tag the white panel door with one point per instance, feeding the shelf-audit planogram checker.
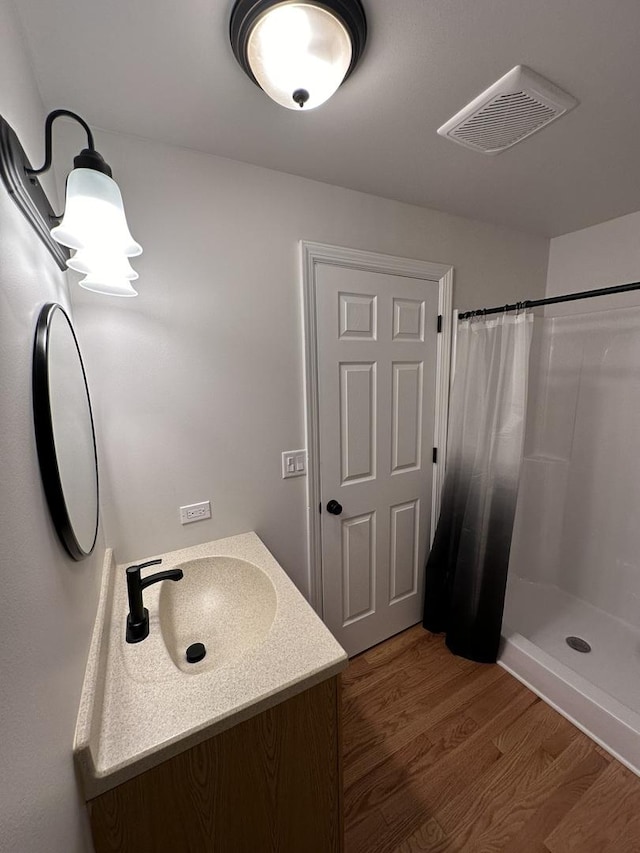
(377, 336)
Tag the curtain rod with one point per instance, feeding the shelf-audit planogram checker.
(551, 300)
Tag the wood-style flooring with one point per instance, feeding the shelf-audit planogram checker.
(441, 754)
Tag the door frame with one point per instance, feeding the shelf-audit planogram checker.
(312, 254)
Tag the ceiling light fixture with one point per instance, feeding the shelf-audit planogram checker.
(299, 53)
(94, 223)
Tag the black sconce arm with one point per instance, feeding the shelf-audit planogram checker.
(48, 138)
(88, 158)
(22, 184)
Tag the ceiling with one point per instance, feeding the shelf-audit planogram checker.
(163, 69)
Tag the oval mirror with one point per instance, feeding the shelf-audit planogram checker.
(65, 436)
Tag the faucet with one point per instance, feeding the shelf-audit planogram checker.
(138, 618)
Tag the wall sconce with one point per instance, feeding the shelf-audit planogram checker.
(93, 225)
(299, 53)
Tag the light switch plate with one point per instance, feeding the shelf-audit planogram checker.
(294, 463)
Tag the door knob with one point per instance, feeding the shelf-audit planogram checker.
(334, 507)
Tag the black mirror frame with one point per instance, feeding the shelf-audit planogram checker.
(45, 441)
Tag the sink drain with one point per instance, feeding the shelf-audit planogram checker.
(195, 652)
(578, 644)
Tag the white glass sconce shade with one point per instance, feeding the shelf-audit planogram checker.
(108, 287)
(108, 266)
(94, 215)
(109, 274)
(299, 47)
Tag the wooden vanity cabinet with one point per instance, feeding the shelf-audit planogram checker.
(271, 783)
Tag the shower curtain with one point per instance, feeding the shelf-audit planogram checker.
(466, 570)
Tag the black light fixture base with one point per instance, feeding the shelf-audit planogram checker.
(89, 158)
(27, 192)
(245, 13)
(300, 96)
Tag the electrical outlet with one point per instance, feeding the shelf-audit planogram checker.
(195, 512)
(294, 463)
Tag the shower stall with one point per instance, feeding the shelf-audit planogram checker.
(571, 625)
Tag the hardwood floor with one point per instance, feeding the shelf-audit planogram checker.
(448, 756)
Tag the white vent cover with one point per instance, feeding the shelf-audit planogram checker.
(519, 104)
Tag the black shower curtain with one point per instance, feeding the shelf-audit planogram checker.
(466, 571)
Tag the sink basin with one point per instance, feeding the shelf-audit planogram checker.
(143, 703)
(226, 603)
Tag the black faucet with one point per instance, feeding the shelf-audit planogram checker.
(138, 618)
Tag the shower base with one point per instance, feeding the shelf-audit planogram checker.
(599, 691)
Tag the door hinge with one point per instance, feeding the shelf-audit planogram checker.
(320, 507)
(439, 322)
(435, 454)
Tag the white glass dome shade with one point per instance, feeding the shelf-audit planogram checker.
(94, 215)
(107, 286)
(299, 53)
(107, 265)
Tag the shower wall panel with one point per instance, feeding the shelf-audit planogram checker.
(578, 518)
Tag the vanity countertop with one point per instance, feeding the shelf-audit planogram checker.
(139, 709)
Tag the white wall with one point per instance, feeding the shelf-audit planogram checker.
(47, 601)
(200, 379)
(600, 256)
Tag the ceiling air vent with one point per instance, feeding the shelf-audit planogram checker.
(519, 104)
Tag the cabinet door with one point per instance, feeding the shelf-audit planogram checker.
(269, 784)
